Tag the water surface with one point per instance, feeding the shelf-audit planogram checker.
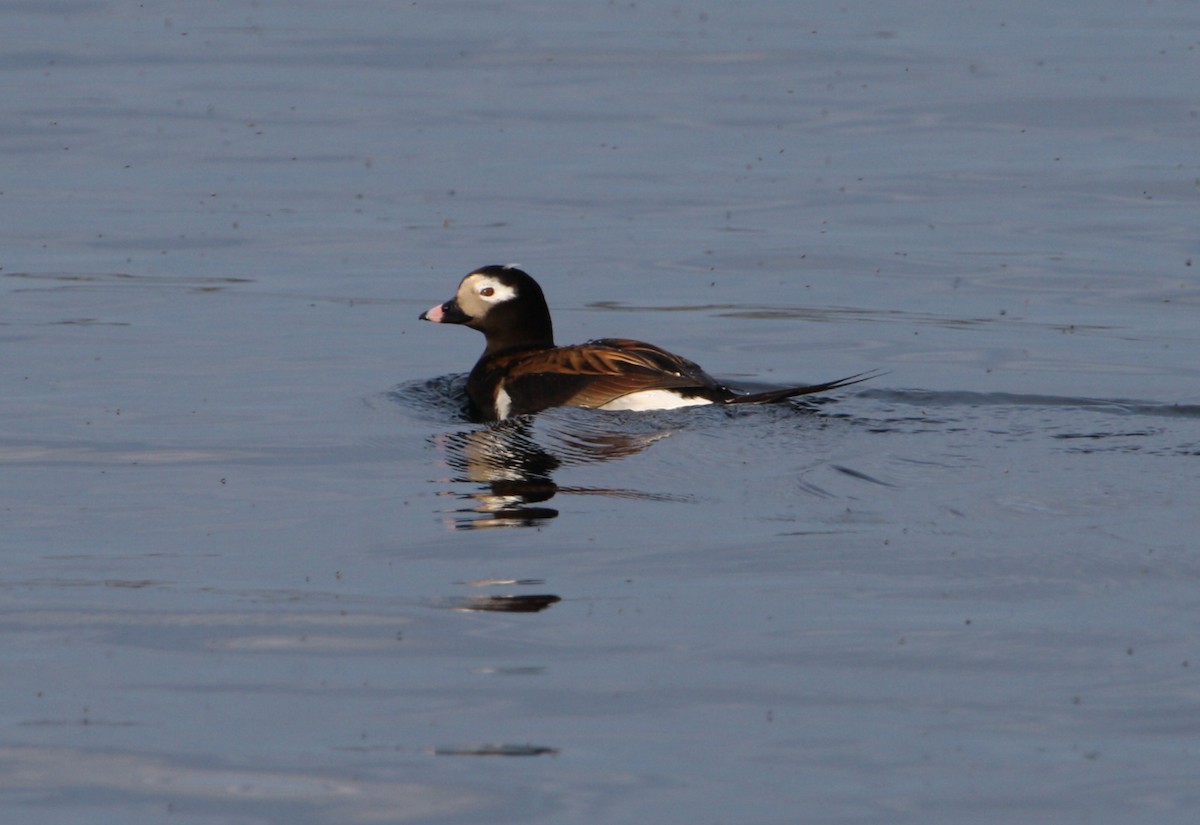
(259, 568)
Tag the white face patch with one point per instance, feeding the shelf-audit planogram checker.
(491, 291)
(652, 400)
(478, 293)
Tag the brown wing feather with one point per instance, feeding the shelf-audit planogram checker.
(600, 372)
(614, 367)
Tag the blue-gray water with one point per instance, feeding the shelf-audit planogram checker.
(258, 569)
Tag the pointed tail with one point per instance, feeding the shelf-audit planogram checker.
(791, 392)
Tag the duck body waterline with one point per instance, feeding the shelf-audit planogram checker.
(521, 370)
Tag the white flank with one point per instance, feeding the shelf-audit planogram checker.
(652, 400)
(503, 402)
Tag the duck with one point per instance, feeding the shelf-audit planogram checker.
(523, 372)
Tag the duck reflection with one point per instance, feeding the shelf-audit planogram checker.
(512, 471)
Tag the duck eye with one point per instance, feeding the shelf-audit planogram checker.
(487, 292)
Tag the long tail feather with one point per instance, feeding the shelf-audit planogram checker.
(768, 396)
